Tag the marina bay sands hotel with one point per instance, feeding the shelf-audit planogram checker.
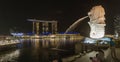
(45, 26)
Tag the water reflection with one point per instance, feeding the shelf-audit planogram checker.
(10, 56)
(40, 50)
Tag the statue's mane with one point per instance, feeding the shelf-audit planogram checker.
(96, 14)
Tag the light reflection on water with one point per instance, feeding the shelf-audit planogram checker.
(38, 50)
(11, 56)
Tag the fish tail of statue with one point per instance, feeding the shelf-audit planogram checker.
(97, 30)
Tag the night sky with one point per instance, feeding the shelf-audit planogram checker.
(14, 13)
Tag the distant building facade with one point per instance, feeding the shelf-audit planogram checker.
(43, 27)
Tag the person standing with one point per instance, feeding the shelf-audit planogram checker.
(101, 55)
(112, 48)
(95, 59)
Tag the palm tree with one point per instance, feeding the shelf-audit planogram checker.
(117, 25)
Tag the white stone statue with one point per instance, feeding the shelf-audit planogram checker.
(97, 22)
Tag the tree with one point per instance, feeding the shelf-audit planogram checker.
(117, 25)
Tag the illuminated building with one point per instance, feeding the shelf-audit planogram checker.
(45, 25)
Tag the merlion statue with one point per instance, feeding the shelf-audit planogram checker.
(97, 22)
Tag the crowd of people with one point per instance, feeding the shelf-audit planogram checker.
(100, 55)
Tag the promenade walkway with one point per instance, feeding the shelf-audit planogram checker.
(85, 57)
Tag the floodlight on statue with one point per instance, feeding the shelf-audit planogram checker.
(97, 22)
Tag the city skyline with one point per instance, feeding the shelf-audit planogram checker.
(14, 14)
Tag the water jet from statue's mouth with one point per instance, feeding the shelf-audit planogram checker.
(97, 22)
